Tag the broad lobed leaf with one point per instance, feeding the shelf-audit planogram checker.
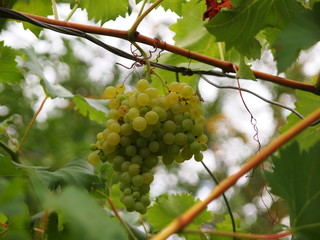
(9, 73)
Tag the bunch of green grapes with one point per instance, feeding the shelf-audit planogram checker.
(144, 127)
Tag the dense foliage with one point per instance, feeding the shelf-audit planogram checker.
(88, 150)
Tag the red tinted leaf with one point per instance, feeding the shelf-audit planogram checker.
(214, 7)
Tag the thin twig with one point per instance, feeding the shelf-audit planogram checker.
(234, 229)
(55, 10)
(31, 123)
(14, 155)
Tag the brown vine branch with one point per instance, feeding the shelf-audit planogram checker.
(224, 65)
(239, 235)
(185, 218)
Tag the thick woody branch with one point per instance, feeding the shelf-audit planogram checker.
(224, 65)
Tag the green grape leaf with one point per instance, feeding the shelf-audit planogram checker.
(104, 10)
(37, 7)
(95, 109)
(301, 33)
(77, 172)
(174, 6)
(8, 168)
(9, 72)
(226, 226)
(84, 218)
(245, 71)
(52, 90)
(238, 27)
(296, 179)
(306, 104)
(169, 207)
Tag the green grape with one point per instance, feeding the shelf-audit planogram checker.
(93, 147)
(195, 147)
(142, 85)
(126, 129)
(169, 126)
(107, 148)
(133, 113)
(137, 159)
(161, 113)
(134, 169)
(186, 154)
(187, 124)
(147, 132)
(139, 124)
(200, 120)
(180, 139)
(167, 159)
(110, 92)
(178, 118)
(144, 189)
(127, 191)
(125, 166)
(114, 103)
(93, 158)
(198, 156)
(172, 98)
(143, 99)
(120, 88)
(137, 180)
(154, 146)
(100, 136)
(144, 152)
(176, 108)
(123, 109)
(139, 207)
(152, 92)
(154, 102)
(126, 177)
(125, 141)
(178, 158)
(115, 127)
(190, 137)
(194, 100)
(173, 149)
(186, 115)
(150, 162)
(174, 87)
(136, 195)
(130, 150)
(197, 130)
(143, 110)
(148, 178)
(186, 91)
(109, 122)
(168, 138)
(152, 117)
(128, 201)
(117, 162)
(113, 139)
(195, 112)
(145, 200)
(203, 139)
(113, 114)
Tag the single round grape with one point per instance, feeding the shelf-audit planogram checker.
(125, 141)
(145, 200)
(200, 120)
(136, 159)
(141, 142)
(130, 150)
(142, 85)
(113, 114)
(143, 99)
(187, 124)
(169, 126)
(194, 100)
(114, 103)
(137, 180)
(115, 127)
(186, 91)
(126, 129)
(93, 147)
(117, 162)
(113, 139)
(178, 158)
(100, 136)
(190, 137)
(176, 108)
(110, 92)
(128, 201)
(180, 139)
(107, 148)
(147, 132)
(144, 152)
(173, 149)
(126, 177)
(198, 156)
(178, 118)
(150, 161)
(120, 88)
(93, 158)
(148, 178)
(136, 195)
(186, 153)
(134, 169)
(127, 191)
(152, 92)
(139, 207)
(139, 124)
(203, 139)
(172, 98)
(151, 117)
(125, 166)
(123, 109)
(197, 130)
(174, 87)
(161, 113)
(195, 112)
(154, 146)
(144, 189)
(143, 110)
(133, 113)
(167, 159)
(168, 138)
(195, 147)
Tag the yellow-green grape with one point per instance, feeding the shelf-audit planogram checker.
(123, 109)
(194, 100)
(115, 127)
(203, 139)
(174, 87)
(133, 113)
(139, 124)
(151, 117)
(114, 103)
(93, 158)
(187, 92)
(152, 92)
(113, 114)
(143, 99)
(142, 85)
(173, 98)
(113, 139)
(120, 88)
(110, 92)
